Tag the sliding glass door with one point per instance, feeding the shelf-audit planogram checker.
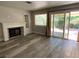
(65, 25)
(74, 26)
(58, 25)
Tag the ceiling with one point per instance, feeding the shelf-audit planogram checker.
(35, 5)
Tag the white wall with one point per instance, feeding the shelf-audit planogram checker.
(11, 15)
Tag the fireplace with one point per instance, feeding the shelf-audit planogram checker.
(15, 31)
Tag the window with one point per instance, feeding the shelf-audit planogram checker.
(40, 19)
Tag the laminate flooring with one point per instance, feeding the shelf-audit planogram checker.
(38, 46)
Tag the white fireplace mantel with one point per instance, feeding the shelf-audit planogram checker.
(11, 25)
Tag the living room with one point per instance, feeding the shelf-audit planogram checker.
(39, 29)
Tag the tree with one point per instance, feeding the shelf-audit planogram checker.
(60, 23)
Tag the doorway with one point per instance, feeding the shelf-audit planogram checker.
(57, 25)
(65, 25)
(58, 22)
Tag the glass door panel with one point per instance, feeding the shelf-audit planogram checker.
(58, 25)
(74, 26)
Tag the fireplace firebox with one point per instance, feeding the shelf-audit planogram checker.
(15, 31)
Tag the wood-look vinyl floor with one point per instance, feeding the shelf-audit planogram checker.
(37, 46)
